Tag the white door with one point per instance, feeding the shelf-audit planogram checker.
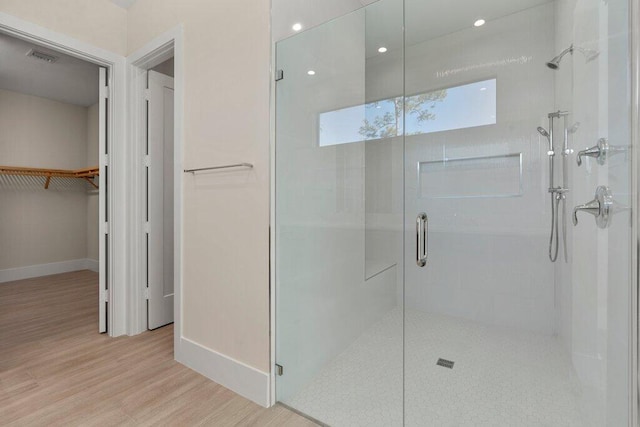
(160, 200)
(103, 217)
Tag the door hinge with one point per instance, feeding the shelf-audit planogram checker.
(145, 293)
(279, 370)
(105, 228)
(105, 295)
(147, 227)
(146, 160)
(147, 94)
(105, 159)
(279, 75)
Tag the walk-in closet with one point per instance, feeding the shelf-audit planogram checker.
(50, 185)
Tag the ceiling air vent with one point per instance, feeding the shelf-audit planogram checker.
(42, 56)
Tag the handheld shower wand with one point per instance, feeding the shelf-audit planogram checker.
(557, 193)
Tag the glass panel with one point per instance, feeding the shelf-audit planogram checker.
(496, 333)
(338, 223)
(502, 312)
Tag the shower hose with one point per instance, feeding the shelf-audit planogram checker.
(556, 197)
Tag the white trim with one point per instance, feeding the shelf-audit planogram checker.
(230, 373)
(39, 270)
(117, 190)
(153, 53)
(93, 265)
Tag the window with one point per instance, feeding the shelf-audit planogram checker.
(457, 107)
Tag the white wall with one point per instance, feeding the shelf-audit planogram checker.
(488, 255)
(226, 215)
(41, 226)
(98, 22)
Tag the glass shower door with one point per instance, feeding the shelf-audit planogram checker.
(501, 101)
(339, 219)
(431, 160)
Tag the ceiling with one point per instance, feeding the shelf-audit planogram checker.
(309, 13)
(440, 17)
(68, 80)
(126, 4)
(425, 19)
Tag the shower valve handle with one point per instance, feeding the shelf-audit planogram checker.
(593, 207)
(599, 152)
(599, 207)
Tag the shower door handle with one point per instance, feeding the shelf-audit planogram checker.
(422, 223)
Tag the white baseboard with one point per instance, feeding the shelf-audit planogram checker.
(232, 374)
(11, 274)
(93, 265)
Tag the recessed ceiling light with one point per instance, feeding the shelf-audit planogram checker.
(297, 26)
(479, 23)
(483, 88)
(382, 49)
(311, 73)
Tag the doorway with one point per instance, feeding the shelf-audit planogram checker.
(53, 181)
(155, 85)
(159, 189)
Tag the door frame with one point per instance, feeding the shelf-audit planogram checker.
(116, 188)
(634, 330)
(158, 50)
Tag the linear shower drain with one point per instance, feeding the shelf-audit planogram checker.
(445, 363)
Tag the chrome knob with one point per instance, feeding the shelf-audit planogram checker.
(599, 207)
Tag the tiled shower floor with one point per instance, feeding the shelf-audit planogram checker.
(500, 378)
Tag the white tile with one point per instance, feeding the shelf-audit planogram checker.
(500, 378)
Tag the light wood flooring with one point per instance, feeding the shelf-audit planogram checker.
(55, 369)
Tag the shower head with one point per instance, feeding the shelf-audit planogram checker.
(542, 131)
(554, 64)
(589, 55)
(574, 128)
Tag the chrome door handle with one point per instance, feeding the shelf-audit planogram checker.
(599, 207)
(422, 222)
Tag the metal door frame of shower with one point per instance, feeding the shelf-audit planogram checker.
(634, 54)
(634, 320)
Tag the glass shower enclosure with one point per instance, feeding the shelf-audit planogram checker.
(453, 223)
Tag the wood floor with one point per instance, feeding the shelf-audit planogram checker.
(55, 369)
